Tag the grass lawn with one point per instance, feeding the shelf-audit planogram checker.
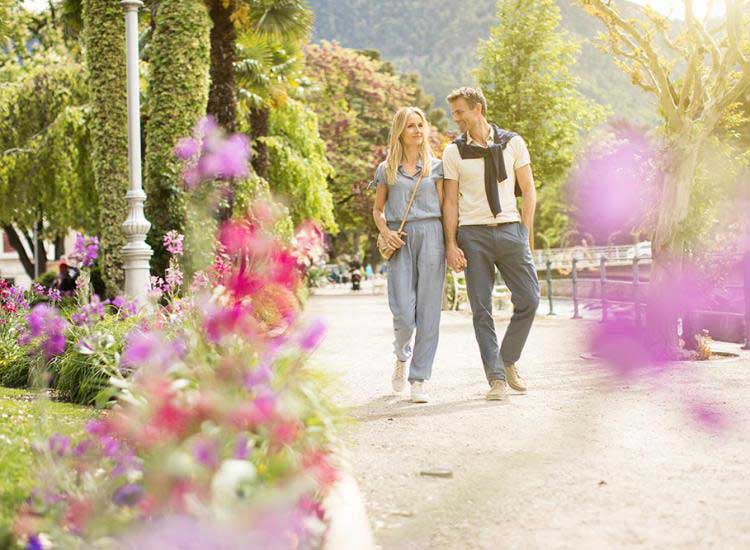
(23, 419)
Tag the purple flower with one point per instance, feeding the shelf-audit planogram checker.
(85, 250)
(186, 148)
(258, 377)
(54, 295)
(34, 543)
(110, 446)
(312, 335)
(38, 289)
(44, 322)
(79, 318)
(206, 453)
(210, 155)
(149, 349)
(59, 444)
(173, 242)
(241, 446)
(128, 495)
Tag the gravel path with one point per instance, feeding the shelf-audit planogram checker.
(582, 461)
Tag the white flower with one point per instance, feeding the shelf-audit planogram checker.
(231, 485)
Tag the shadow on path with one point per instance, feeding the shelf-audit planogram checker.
(394, 406)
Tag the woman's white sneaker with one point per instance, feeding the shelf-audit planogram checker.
(398, 380)
(419, 392)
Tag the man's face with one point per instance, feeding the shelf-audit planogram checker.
(463, 115)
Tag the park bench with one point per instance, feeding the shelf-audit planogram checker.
(500, 292)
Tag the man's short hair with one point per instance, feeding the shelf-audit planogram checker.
(471, 95)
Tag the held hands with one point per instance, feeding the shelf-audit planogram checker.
(455, 257)
(393, 238)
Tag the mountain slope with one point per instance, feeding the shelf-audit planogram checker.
(438, 39)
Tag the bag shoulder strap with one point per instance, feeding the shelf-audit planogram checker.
(411, 201)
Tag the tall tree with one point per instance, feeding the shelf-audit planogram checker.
(45, 165)
(222, 99)
(697, 76)
(177, 95)
(525, 73)
(355, 99)
(104, 39)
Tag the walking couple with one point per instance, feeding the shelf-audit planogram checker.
(473, 191)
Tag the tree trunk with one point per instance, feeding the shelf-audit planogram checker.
(41, 257)
(59, 246)
(222, 101)
(259, 129)
(15, 241)
(668, 249)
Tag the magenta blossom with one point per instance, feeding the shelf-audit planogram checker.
(45, 323)
(615, 185)
(85, 250)
(312, 335)
(210, 155)
(624, 349)
(150, 349)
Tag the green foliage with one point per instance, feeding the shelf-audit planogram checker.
(355, 100)
(80, 376)
(45, 166)
(15, 362)
(177, 96)
(299, 169)
(104, 39)
(438, 38)
(525, 74)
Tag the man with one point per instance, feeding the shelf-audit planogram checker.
(484, 229)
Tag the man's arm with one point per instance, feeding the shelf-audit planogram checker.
(454, 255)
(525, 180)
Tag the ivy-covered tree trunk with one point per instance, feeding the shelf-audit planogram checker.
(222, 100)
(104, 38)
(178, 92)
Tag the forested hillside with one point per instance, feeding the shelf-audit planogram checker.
(438, 39)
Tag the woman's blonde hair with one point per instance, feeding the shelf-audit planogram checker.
(396, 148)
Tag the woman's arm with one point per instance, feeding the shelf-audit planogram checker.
(378, 214)
(439, 188)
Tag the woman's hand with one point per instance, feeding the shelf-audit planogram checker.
(393, 238)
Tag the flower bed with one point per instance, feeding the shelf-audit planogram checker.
(217, 430)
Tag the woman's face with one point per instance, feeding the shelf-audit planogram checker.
(414, 131)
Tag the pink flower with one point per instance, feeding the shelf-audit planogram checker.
(312, 335)
(186, 148)
(173, 242)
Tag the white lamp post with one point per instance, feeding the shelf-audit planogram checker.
(136, 253)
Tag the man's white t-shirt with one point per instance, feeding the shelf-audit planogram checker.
(473, 208)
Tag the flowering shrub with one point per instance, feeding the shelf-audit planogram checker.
(219, 432)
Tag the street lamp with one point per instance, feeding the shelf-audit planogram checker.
(136, 253)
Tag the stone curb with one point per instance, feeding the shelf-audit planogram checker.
(348, 526)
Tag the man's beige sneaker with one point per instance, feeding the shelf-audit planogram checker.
(498, 389)
(419, 392)
(399, 376)
(514, 381)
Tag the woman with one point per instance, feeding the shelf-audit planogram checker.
(416, 271)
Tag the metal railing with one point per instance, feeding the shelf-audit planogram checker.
(637, 288)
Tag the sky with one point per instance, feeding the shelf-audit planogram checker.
(672, 8)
